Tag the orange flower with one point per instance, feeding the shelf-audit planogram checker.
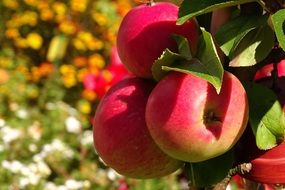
(4, 76)
(89, 95)
(80, 61)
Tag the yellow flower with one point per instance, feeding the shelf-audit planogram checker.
(31, 2)
(21, 42)
(89, 95)
(84, 107)
(96, 60)
(11, 4)
(67, 27)
(79, 5)
(34, 40)
(94, 44)
(79, 44)
(67, 69)
(12, 33)
(46, 14)
(101, 19)
(69, 81)
(30, 18)
(81, 74)
(59, 8)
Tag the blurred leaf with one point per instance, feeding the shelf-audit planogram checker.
(231, 34)
(265, 116)
(192, 8)
(57, 48)
(254, 47)
(209, 172)
(278, 20)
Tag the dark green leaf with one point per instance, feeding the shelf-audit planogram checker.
(183, 47)
(278, 20)
(209, 172)
(192, 8)
(253, 48)
(265, 116)
(231, 34)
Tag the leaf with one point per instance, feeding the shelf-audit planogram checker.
(205, 65)
(232, 33)
(166, 59)
(208, 56)
(183, 47)
(57, 48)
(278, 20)
(253, 48)
(209, 172)
(192, 8)
(265, 116)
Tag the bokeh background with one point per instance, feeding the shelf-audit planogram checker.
(57, 59)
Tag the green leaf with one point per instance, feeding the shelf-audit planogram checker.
(232, 33)
(254, 47)
(206, 65)
(192, 8)
(166, 59)
(209, 172)
(183, 47)
(208, 56)
(265, 116)
(278, 20)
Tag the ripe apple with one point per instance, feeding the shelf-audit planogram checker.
(121, 137)
(267, 166)
(190, 121)
(146, 31)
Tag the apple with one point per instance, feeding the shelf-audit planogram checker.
(268, 166)
(146, 31)
(121, 137)
(116, 67)
(190, 121)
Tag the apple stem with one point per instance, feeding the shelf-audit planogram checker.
(239, 169)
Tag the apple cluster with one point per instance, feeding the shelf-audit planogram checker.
(147, 129)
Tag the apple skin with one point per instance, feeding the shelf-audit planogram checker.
(121, 137)
(268, 166)
(146, 31)
(190, 121)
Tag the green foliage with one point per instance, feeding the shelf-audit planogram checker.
(266, 116)
(192, 8)
(205, 64)
(278, 20)
(210, 172)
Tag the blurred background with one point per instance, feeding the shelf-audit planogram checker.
(57, 59)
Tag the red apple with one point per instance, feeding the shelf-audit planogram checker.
(267, 166)
(190, 121)
(146, 31)
(121, 137)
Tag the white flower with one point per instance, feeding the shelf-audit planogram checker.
(5, 164)
(33, 147)
(73, 184)
(2, 123)
(35, 130)
(22, 113)
(112, 174)
(16, 166)
(43, 169)
(23, 182)
(9, 134)
(73, 125)
(87, 138)
(50, 186)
